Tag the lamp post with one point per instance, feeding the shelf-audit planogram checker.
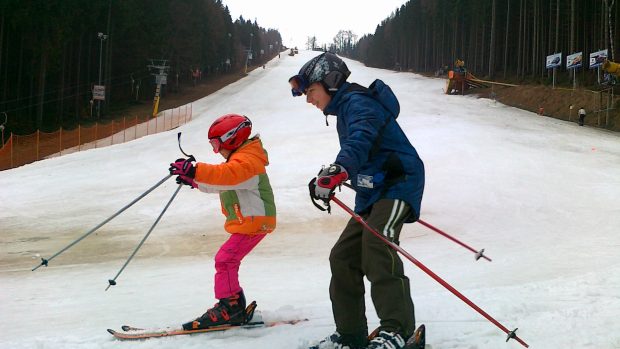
(102, 37)
(6, 118)
(247, 57)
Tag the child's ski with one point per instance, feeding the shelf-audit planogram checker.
(132, 333)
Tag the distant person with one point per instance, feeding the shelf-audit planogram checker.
(582, 116)
(247, 202)
(388, 177)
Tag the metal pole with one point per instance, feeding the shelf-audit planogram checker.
(112, 282)
(101, 38)
(46, 261)
(511, 334)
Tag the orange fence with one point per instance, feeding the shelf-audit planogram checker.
(21, 150)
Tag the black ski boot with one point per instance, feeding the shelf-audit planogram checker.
(228, 311)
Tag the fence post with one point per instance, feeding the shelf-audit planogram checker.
(96, 136)
(38, 132)
(12, 146)
(79, 137)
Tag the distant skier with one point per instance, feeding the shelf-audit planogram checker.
(582, 116)
(247, 202)
(388, 176)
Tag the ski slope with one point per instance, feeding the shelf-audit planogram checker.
(539, 194)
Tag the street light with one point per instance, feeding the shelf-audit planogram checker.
(6, 118)
(247, 57)
(102, 37)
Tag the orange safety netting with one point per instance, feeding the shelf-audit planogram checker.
(21, 150)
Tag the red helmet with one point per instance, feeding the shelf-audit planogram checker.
(229, 132)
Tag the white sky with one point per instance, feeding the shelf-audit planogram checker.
(539, 194)
(298, 20)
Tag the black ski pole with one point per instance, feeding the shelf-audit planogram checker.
(511, 334)
(46, 261)
(112, 282)
(478, 254)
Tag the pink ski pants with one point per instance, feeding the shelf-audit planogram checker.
(227, 262)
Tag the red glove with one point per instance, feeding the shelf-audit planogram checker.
(327, 180)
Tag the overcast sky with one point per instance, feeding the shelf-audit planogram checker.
(298, 20)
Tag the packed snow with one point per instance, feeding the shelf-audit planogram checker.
(540, 195)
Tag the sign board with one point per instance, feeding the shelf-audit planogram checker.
(161, 79)
(99, 92)
(597, 58)
(554, 60)
(574, 61)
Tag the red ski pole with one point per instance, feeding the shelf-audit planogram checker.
(511, 334)
(478, 253)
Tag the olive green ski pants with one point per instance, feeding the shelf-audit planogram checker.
(359, 253)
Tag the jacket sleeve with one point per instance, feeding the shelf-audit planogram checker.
(240, 172)
(363, 118)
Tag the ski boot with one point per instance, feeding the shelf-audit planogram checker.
(228, 311)
(338, 341)
(384, 340)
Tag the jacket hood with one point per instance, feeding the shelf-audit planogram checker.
(253, 147)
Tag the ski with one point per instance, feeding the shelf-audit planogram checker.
(136, 333)
(145, 334)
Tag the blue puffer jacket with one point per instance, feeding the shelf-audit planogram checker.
(374, 149)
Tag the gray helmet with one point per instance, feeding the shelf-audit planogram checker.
(326, 68)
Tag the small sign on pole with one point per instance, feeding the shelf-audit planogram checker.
(99, 92)
(574, 61)
(597, 58)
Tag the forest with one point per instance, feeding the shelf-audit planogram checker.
(497, 39)
(53, 52)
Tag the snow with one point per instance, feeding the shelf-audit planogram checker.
(539, 194)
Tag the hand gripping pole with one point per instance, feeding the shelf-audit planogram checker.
(511, 334)
(46, 261)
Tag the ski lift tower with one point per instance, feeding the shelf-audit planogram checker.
(159, 68)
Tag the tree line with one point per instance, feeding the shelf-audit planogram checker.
(51, 54)
(498, 39)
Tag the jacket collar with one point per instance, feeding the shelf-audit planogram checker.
(340, 96)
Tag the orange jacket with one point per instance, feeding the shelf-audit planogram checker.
(245, 192)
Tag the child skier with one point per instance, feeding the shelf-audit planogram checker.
(247, 202)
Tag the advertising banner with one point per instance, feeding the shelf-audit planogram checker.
(574, 61)
(554, 60)
(597, 58)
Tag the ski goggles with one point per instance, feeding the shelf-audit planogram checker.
(217, 142)
(299, 85)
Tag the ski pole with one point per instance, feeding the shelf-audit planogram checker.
(511, 334)
(46, 261)
(112, 282)
(478, 254)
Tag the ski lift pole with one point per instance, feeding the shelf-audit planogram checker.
(112, 282)
(511, 334)
(478, 254)
(46, 261)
